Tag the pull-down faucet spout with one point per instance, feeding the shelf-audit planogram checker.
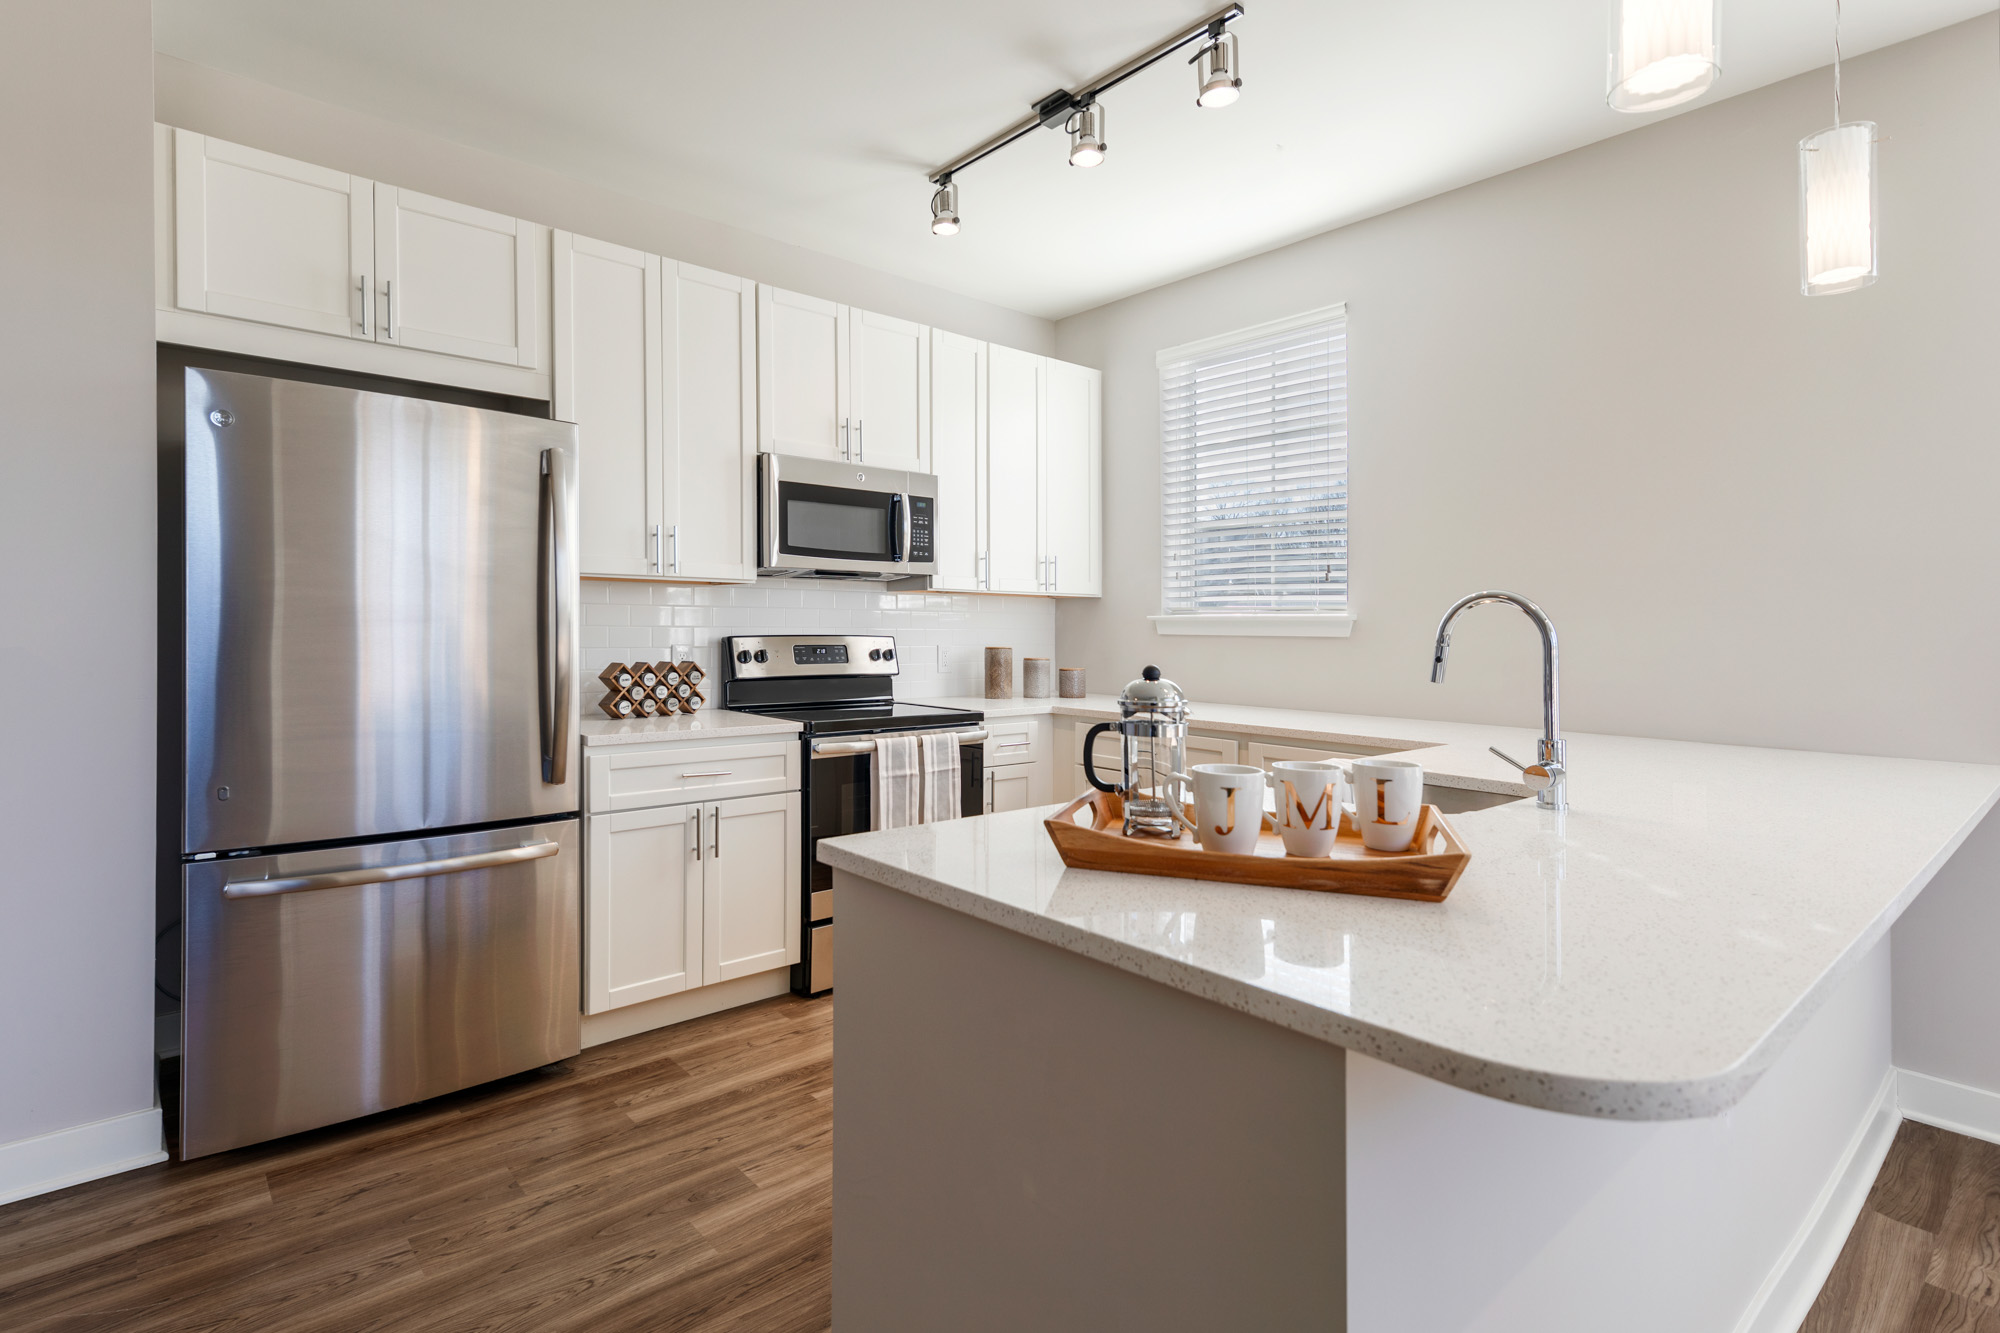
(1546, 775)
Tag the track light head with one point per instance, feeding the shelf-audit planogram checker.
(1218, 75)
(944, 208)
(1086, 135)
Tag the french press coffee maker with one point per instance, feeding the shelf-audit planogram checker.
(1152, 736)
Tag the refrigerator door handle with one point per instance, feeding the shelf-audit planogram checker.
(557, 705)
(342, 879)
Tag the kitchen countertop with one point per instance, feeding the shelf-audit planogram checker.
(1643, 957)
(708, 724)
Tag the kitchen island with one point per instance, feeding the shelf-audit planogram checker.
(1657, 1024)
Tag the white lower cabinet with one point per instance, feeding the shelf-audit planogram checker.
(682, 896)
(1009, 789)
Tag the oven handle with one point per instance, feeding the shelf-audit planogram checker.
(830, 748)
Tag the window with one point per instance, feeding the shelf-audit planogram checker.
(1253, 523)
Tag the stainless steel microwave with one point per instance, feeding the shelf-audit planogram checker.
(828, 519)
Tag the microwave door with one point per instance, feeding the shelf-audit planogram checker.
(837, 527)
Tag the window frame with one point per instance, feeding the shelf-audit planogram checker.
(1251, 624)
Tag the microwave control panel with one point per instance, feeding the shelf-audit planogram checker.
(921, 510)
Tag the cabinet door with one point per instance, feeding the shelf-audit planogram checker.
(958, 456)
(711, 405)
(457, 279)
(1210, 750)
(752, 886)
(890, 362)
(1009, 789)
(261, 237)
(642, 906)
(1013, 469)
(1072, 454)
(607, 381)
(802, 375)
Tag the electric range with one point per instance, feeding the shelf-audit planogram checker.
(841, 689)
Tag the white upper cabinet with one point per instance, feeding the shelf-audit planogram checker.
(1072, 469)
(456, 279)
(890, 362)
(802, 375)
(1014, 469)
(958, 456)
(261, 237)
(710, 360)
(608, 381)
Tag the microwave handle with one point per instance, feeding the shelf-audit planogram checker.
(899, 528)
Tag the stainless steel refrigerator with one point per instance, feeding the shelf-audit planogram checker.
(378, 853)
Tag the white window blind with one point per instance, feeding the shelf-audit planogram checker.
(1254, 474)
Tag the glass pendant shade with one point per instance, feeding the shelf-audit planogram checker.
(1837, 232)
(1663, 52)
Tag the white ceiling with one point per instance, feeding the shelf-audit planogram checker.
(814, 122)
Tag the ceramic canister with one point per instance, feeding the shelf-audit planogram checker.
(999, 673)
(1072, 683)
(1038, 678)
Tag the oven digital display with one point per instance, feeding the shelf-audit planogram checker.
(819, 654)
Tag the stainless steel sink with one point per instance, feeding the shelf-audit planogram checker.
(1458, 800)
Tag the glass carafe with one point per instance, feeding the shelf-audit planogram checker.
(1152, 755)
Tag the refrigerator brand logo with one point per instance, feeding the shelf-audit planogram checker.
(222, 417)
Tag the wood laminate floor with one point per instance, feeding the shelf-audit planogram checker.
(677, 1180)
(1925, 1255)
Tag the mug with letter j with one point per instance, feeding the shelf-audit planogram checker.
(1228, 807)
(1388, 794)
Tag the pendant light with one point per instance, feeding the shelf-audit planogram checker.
(1837, 227)
(1663, 53)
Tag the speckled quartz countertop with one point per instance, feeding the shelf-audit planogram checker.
(1643, 957)
(708, 724)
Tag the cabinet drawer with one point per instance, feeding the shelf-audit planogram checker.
(675, 774)
(1265, 753)
(1200, 750)
(1013, 741)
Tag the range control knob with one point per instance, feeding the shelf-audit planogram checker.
(743, 656)
(888, 654)
(762, 656)
(874, 654)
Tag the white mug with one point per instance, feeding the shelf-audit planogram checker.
(1228, 807)
(1388, 793)
(1309, 796)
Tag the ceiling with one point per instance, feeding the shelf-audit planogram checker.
(815, 123)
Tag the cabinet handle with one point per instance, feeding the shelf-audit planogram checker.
(389, 308)
(845, 425)
(1010, 745)
(365, 289)
(675, 539)
(715, 847)
(1055, 572)
(656, 550)
(985, 577)
(989, 793)
(711, 773)
(860, 443)
(697, 833)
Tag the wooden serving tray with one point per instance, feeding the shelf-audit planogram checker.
(1425, 873)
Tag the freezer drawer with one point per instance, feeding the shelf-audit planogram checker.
(329, 984)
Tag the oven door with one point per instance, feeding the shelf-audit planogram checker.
(816, 517)
(839, 801)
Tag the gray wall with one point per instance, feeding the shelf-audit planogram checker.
(1756, 518)
(76, 544)
(230, 106)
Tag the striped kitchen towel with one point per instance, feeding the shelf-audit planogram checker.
(894, 782)
(940, 775)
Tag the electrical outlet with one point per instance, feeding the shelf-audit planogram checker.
(944, 658)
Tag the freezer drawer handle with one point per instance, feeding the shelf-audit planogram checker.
(343, 879)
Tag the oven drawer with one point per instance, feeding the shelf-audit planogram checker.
(636, 777)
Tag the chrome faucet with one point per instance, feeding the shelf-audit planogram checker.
(1546, 776)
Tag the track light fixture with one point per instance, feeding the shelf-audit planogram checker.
(1218, 82)
(1218, 78)
(1086, 135)
(944, 209)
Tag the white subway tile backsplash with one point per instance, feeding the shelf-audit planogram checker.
(626, 620)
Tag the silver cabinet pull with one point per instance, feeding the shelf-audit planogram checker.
(389, 308)
(711, 773)
(989, 793)
(845, 425)
(1055, 573)
(674, 541)
(715, 846)
(365, 289)
(860, 443)
(985, 573)
(697, 833)
(657, 567)
(344, 879)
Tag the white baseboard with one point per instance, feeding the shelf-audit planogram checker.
(71, 1156)
(696, 1003)
(1781, 1304)
(1972, 1112)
